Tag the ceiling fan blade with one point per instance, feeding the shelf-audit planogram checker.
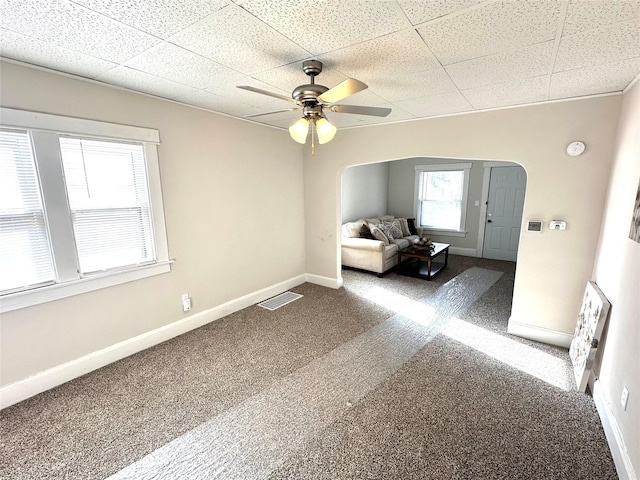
(342, 90)
(266, 92)
(360, 110)
(271, 113)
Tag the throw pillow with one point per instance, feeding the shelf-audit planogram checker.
(412, 226)
(405, 227)
(378, 234)
(365, 232)
(393, 229)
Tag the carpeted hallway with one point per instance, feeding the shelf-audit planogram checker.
(389, 378)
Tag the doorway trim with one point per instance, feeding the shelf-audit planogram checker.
(484, 198)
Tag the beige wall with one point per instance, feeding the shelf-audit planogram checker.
(553, 267)
(223, 180)
(364, 191)
(617, 273)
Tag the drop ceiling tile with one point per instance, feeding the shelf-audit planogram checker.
(263, 102)
(180, 65)
(30, 50)
(143, 82)
(344, 120)
(492, 28)
(530, 61)
(399, 52)
(74, 27)
(161, 18)
(528, 90)
(443, 104)
(218, 103)
(236, 39)
(612, 77)
(420, 12)
(290, 76)
(323, 25)
(397, 87)
(604, 45)
(587, 15)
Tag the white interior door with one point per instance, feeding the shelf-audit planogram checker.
(504, 213)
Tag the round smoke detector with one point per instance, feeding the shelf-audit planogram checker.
(575, 148)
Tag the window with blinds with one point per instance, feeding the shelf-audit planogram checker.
(109, 202)
(80, 207)
(25, 251)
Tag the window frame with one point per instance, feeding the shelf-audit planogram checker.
(465, 167)
(45, 129)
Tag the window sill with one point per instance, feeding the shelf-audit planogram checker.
(444, 233)
(49, 293)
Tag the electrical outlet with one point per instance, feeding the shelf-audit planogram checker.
(624, 398)
(186, 302)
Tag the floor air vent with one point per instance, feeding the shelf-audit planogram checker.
(279, 300)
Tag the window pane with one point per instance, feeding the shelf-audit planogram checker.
(25, 252)
(109, 202)
(441, 199)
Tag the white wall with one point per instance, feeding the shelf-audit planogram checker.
(402, 196)
(617, 273)
(364, 191)
(552, 267)
(219, 176)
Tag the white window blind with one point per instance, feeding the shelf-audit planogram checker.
(109, 202)
(441, 196)
(25, 252)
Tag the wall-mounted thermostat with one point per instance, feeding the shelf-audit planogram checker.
(557, 225)
(534, 226)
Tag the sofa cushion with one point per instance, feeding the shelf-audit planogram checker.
(378, 233)
(374, 220)
(402, 242)
(387, 218)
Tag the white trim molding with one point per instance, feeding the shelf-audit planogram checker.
(539, 334)
(618, 449)
(465, 252)
(334, 283)
(52, 377)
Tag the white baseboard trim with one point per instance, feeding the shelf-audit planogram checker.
(325, 281)
(52, 377)
(614, 437)
(539, 334)
(466, 252)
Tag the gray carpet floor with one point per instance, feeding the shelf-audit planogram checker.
(448, 411)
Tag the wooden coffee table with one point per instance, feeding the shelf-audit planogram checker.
(420, 263)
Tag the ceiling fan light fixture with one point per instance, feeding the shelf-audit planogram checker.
(326, 130)
(300, 130)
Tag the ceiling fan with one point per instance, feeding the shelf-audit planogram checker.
(313, 99)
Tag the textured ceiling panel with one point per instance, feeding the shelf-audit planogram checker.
(604, 45)
(493, 28)
(413, 85)
(530, 61)
(611, 77)
(180, 65)
(238, 40)
(218, 103)
(420, 12)
(399, 52)
(517, 92)
(336, 23)
(144, 82)
(419, 57)
(446, 103)
(71, 26)
(161, 18)
(585, 15)
(36, 52)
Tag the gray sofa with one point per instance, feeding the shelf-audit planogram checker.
(377, 250)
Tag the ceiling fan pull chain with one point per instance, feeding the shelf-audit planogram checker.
(313, 138)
